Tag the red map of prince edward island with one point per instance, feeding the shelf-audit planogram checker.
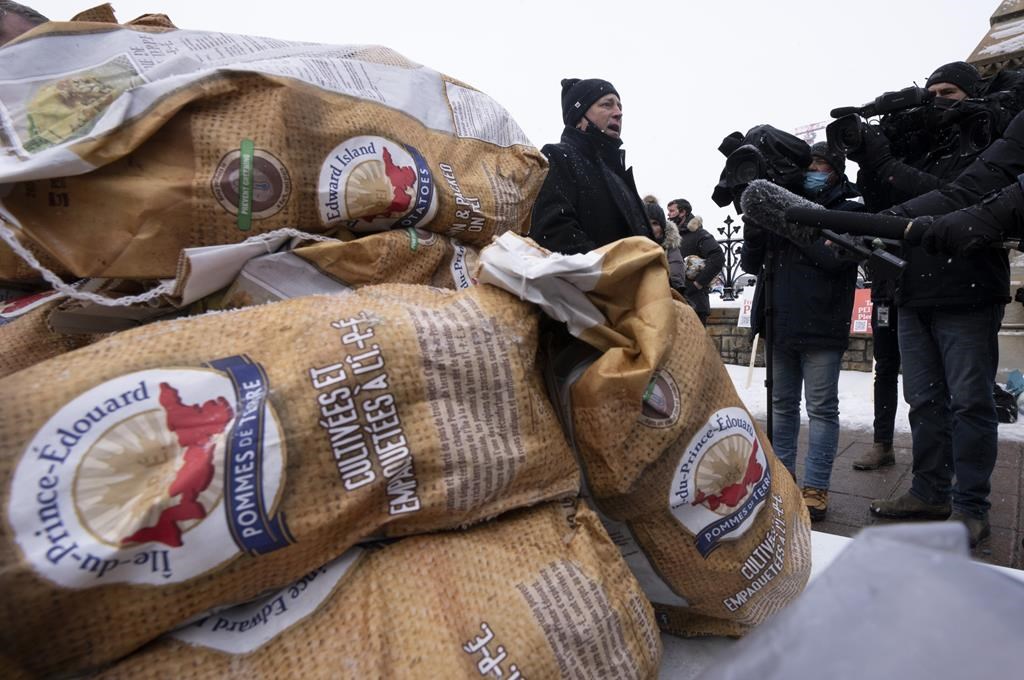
(196, 428)
(402, 178)
(731, 494)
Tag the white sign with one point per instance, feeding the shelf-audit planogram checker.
(746, 306)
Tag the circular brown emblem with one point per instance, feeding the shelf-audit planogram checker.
(271, 184)
(661, 401)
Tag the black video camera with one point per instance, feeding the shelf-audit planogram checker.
(764, 152)
(845, 134)
(916, 121)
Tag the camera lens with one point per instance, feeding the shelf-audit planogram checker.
(746, 172)
(743, 166)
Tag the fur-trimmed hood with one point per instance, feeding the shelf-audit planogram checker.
(672, 238)
(695, 223)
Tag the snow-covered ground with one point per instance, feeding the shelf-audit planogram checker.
(856, 411)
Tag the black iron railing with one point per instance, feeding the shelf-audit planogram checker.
(731, 247)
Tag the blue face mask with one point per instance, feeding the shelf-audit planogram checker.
(815, 181)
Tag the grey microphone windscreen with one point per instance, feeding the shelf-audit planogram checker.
(765, 203)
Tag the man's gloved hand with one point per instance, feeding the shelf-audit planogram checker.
(874, 152)
(971, 229)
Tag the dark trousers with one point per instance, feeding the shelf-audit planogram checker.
(886, 352)
(950, 358)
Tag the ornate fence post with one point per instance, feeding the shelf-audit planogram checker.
(732, 247)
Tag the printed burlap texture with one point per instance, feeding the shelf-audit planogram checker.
(192, 463)
(398, 256)
(538, 593)
(164, 142)
(28, 339)
(720, 522)
(704, 513)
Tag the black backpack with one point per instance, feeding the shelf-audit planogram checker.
(1006, 405)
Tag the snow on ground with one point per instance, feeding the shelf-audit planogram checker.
(856, 411)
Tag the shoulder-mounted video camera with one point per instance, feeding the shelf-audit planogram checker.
(915, 120)
(846, 134)
(764, 152)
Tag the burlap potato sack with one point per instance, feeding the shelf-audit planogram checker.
(125, 144)
(192, 463)
(398, 256)
(717, 527)
(26, 338)
(538, 593)
(722, 531)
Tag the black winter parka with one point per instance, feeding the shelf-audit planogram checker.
(995, 167)
(588, 198)
(961, 281)
(695, 240)
(812, 285)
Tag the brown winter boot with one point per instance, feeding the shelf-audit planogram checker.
(879, 455)
(909, 506)
(978, 528)
(816, 501)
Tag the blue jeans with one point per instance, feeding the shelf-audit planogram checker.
(818, 370)
(950, 358)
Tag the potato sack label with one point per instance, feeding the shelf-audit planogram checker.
(722, 480)
(251, 183)
(153, 477)
(247, 627)
(371, 183)
(661, 401)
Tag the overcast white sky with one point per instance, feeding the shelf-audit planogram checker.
(688, 73)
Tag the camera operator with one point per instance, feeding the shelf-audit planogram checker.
(992, 182)
(812, 298)
(933, 153)
(927, 149)
(949, 313)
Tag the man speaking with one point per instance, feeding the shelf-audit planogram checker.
(589, 198)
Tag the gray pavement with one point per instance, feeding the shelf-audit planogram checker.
(853, 490)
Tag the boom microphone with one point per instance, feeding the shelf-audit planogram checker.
(802, 221)
(765, 203)
(858, 224)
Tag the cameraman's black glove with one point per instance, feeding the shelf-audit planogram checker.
(873, 152)
(971, 229)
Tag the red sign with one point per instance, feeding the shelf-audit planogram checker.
(860, 319)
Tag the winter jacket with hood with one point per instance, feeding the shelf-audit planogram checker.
(676, 264)
(812, 285)
(588, 198)
(698, 241)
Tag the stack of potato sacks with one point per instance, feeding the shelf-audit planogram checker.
(364, 477)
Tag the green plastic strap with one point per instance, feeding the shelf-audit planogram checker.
(245, 182)
(414, 239)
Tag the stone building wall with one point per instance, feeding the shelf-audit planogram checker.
(734, 343)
